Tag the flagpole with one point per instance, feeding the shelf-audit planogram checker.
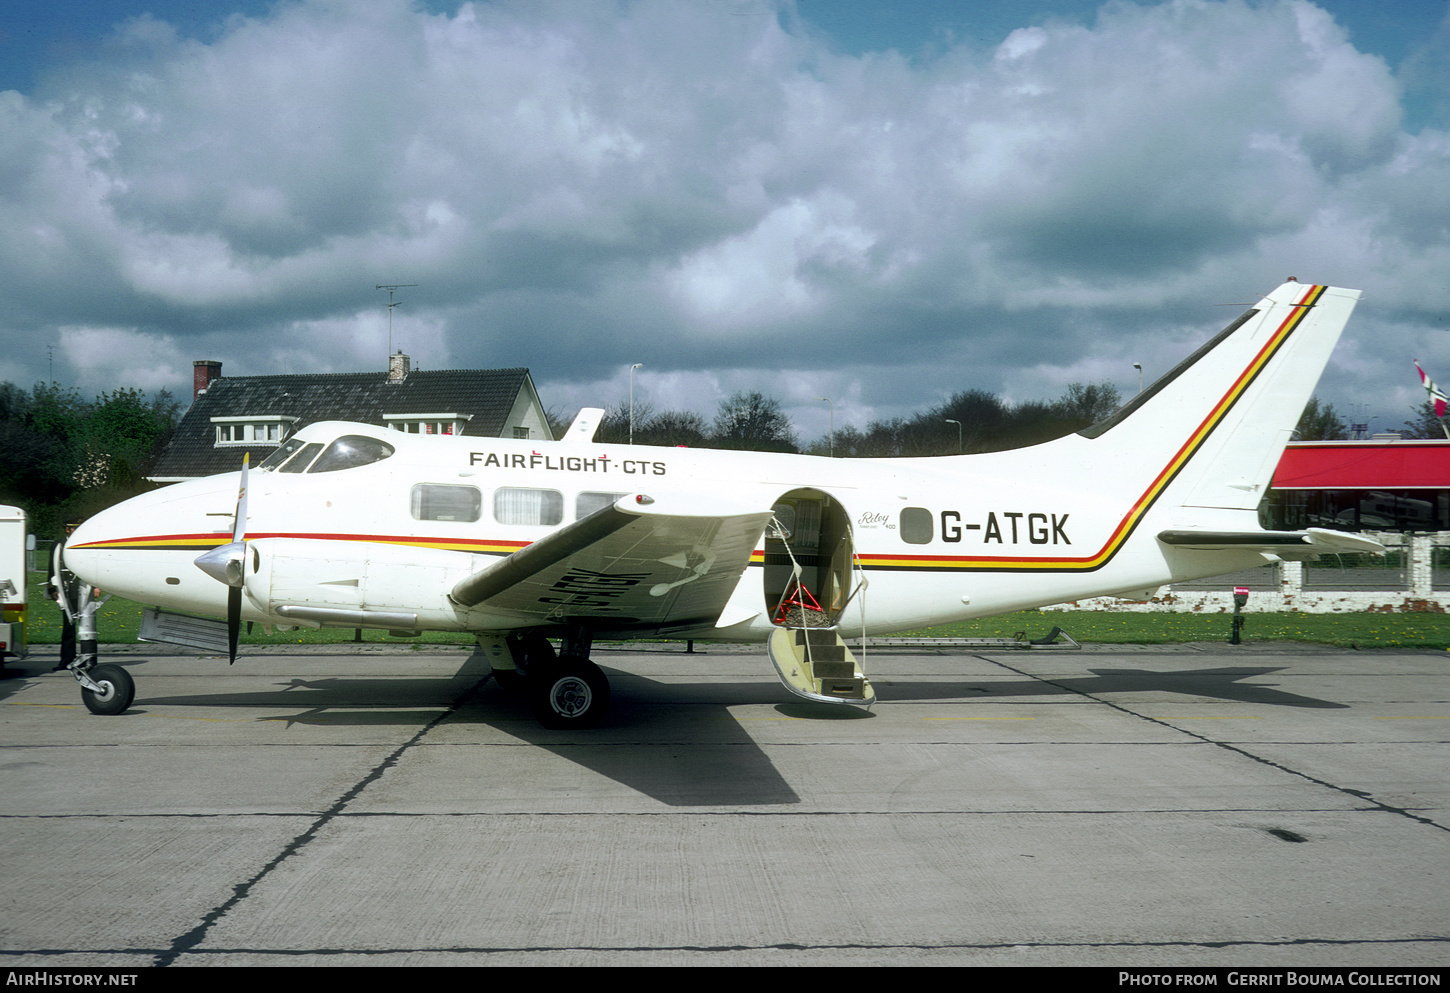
(1438, 400)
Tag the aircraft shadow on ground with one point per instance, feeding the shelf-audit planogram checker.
(1222, 683)
(684, 748)
(679, 742)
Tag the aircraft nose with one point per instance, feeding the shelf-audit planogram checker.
(109, 546)
(85, 549)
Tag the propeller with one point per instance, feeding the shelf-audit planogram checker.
(227, 564)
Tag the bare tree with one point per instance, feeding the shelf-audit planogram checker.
(754, 422)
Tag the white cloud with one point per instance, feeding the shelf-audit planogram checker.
(106, 359)
(763, 278)
(578, 186)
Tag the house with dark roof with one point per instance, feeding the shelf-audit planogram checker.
(254, 414)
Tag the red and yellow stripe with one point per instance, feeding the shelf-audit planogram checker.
(1130, 520)
(200, 542)
(205, 542)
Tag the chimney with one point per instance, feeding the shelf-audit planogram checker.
(203, 373)
(397, 367)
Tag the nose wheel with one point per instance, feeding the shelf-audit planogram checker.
(569, 692)
(106, 689)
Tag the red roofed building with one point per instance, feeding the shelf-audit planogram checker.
(1397, 491)
(1377, 485)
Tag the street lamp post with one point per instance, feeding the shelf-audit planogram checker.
(631, 400)
(1139, 367)
(833, 423)
(959, 433)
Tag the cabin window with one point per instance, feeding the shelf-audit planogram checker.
(592, 502)
(784, 520)
(351, 451)
(915, 525)
(522, 505)
(442, 502)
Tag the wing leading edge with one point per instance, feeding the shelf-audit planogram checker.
(631, 566)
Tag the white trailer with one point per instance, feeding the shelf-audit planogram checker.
(14, 582)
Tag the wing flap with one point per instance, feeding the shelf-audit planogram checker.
(626, 566)
(1289, 545)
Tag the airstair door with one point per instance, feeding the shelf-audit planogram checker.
(810, 578)
(814, 663)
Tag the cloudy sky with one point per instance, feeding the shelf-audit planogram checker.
(877, 203)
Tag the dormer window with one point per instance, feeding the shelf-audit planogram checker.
(262, 429)
(427, 423)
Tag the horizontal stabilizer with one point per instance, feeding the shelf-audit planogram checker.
(1285, 544)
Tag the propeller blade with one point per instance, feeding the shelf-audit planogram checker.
(234, 621)
(235, 576)
(239, 523)
(227, 563)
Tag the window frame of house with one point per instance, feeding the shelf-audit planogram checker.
(274, 428)
(425, 423)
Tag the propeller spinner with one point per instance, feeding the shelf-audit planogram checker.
(226, 564)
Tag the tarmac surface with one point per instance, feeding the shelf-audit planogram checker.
(1197, 805)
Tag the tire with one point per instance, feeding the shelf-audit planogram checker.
(571, 693)
(117, 690)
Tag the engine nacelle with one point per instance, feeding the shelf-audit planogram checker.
(319, 582)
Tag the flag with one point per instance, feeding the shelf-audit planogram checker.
(1437, 396)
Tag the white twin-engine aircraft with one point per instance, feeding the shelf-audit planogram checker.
(520, 542)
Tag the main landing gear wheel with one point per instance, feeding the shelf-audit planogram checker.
(117, 690)
(570, 693)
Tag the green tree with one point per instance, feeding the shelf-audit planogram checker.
(1319, 422)
(123, 435)
(62, 456)
(1086, 404)
(1425, 424)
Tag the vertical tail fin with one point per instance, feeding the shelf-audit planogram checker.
(1217, 424)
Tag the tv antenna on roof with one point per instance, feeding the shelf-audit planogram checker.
(390, 287)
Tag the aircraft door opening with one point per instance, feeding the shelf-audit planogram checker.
(808, 584)
(811, 532)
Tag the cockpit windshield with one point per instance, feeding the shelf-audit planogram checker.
(282, 454)
(300, 461)
(351, 451)
(347, 452)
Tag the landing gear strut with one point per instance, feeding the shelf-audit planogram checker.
(105, 689)
(564, 689)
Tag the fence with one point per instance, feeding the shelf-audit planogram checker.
(1412, 575)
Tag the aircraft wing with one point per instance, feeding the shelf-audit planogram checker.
(631, 566)
(1290, 545)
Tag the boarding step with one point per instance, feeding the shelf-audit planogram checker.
(815, 663)
(821, 644)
